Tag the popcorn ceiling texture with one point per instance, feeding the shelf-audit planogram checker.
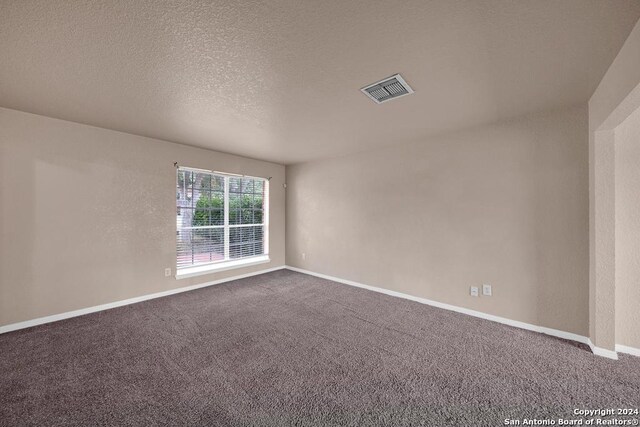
(279, 80)
(290, 349)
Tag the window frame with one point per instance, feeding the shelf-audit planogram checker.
(228, 262)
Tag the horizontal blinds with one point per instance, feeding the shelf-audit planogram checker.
(219, 217)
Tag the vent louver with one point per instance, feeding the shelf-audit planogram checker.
(389, 88)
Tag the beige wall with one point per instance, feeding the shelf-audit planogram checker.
(505, 204)
(87, 215)
(616, 97)
(620, 80)
(628, 231)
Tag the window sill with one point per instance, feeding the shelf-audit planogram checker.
(185, 273)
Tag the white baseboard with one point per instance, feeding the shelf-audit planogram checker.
(599, 351)
(102, 307)
(628, 350)
(515, 323)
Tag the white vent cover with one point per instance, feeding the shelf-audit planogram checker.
(389, 88)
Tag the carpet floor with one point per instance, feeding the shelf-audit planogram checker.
(286, 348)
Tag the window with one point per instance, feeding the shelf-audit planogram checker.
(222, 221)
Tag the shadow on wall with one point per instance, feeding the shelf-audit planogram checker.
(18, 237)
(561, 223)
(83, 217)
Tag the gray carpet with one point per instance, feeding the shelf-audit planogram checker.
(290, 349)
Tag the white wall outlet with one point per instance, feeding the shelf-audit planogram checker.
(167, 272)
(486, 290)
(474, 291)
(304, 256)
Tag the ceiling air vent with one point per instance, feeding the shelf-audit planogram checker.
(389, 88)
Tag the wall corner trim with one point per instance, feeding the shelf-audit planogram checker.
(515, 323)
(81, 312)
(599, 351)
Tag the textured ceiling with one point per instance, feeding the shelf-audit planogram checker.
(280, 80)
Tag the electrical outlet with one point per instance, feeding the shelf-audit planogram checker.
(167, 272)
(304, 256)
(486, 290)
(474, 291)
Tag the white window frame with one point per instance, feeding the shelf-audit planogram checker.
(228, 263)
